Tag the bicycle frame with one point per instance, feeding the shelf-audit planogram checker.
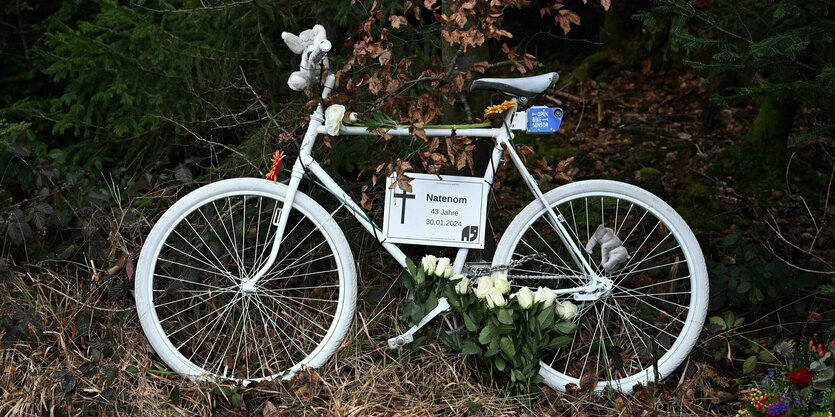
(503, 137)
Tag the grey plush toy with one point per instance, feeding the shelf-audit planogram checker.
(300, 44)
(612, 252)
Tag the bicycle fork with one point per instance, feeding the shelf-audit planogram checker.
(280, 221)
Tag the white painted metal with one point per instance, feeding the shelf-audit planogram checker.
(697, 308)
(339, 246)
(145, 302)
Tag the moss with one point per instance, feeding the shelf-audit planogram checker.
(699, 208)
(756, 163)
(649, 174)
(591, 67)
(556, 154)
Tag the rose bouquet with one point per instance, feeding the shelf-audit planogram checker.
(502, 331)
(799, 387)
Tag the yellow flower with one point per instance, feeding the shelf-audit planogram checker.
(499, 108)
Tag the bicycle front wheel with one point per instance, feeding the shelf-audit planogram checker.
(189, 296)
(651, 318)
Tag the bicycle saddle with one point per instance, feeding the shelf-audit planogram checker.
(521, 87)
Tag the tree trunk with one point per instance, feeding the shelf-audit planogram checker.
(757, 161)
(467, 106)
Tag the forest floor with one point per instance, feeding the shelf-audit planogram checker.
(80, 349)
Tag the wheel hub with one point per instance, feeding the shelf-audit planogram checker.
(248, 286)
(601, 291)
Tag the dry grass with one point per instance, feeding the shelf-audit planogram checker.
(87, 356)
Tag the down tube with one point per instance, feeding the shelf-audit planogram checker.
(356, 211)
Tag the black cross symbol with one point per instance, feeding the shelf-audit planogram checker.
(403, 196)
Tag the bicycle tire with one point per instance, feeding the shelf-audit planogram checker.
(660, 319)
(189, 274)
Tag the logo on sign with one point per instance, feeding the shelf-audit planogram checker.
(469, 234)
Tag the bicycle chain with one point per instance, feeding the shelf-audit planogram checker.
(476, 272)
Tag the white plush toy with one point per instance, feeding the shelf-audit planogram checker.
(301, 79)
(612, 252)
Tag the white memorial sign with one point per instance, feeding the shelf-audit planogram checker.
(446, 211)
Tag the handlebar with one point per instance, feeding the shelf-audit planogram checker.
(319, 52)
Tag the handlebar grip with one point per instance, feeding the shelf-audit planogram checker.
(319, 52)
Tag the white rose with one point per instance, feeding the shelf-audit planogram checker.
(545, 295)
(448, 271)
(333, 118)
(440, 269)
(525, 298)
(495, 298)
(428, 263)
(485, 283)
(500, 282)
(566, 309)
(463, 285)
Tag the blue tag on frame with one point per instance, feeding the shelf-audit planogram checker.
(543, 119)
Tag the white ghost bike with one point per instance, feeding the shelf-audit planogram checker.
(249, 280)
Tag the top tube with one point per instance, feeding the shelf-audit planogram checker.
(403, 131)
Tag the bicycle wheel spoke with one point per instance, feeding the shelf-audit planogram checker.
(190, 307)
(281, 330)
(219, 240)
(637, 296)
(635, 323)
(203, 260)
(205, 323)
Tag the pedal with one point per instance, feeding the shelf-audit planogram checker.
(408, 337)
(400, 341)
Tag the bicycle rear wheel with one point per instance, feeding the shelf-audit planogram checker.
(654, 313)
(188, 284)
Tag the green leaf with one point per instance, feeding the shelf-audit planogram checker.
(729, 320)
(500, 363)
(492, 349)
(546, 318)
(749, 364)
(236, 400)
(452, 340)
(419, 277)
(730, 239)
(559, 342)
(486, 334)
(505, 316)
(767, 356)
(719, 322)
(471, 327)
(565, 327)
(411, 267)
(452, 298)
(506, 345)
(503, 329)
(431, 303)
(470, 348)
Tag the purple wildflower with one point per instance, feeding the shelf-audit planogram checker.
(777, 409)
